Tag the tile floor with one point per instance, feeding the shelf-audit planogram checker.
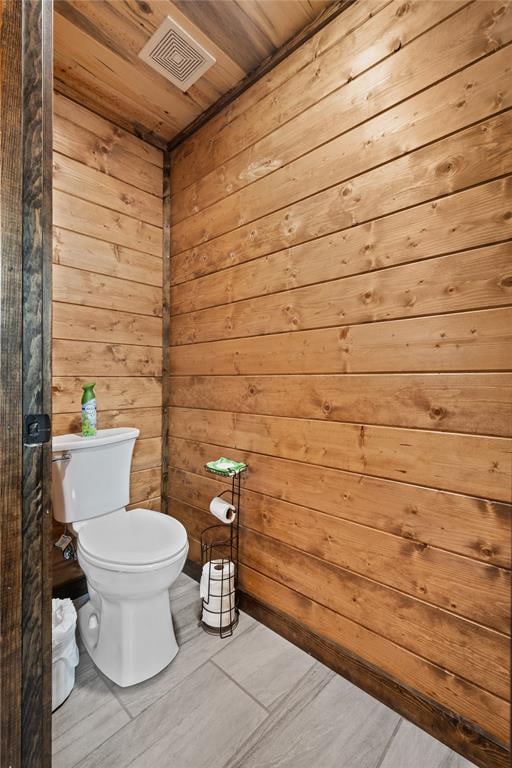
(251, 701)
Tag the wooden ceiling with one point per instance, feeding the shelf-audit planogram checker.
(97, 43)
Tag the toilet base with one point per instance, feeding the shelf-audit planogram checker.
(129, 641)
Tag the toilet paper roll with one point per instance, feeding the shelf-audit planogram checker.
(218, 579)
(222, 510)
(217, 618)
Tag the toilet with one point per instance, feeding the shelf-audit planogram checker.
(130, 557)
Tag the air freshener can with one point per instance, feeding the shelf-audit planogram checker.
(88, 411)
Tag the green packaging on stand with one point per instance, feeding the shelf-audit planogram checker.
(226, 467)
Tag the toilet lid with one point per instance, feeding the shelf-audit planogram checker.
(133, 537)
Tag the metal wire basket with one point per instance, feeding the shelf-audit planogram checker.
(219, 548)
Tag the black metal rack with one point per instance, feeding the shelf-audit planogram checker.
(219, 547)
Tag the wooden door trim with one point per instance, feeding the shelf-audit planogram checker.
(10, 386)
(25, 581)
(37, 53)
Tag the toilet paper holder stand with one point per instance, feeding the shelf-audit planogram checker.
(221, 542)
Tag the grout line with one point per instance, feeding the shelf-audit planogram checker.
(114, 694)
(388, 745)
(251, 696)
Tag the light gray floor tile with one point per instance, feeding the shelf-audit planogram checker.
(264, 664)
(185, 609)
(342, 727)
(89, 716)
(184, 584)
(289, 708)
(413, 747)
(203, 710)
(199, 724)
(191, 656)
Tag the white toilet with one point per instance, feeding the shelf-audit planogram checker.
(130, 558)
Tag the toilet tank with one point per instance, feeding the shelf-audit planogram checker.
(91, 475)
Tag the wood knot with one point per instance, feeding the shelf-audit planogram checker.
(506, 282)
(437, 413)
(447, 167)
(402, 9)
(252, 389)
(326, 407)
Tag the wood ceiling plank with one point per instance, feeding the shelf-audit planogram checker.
(84, 65)
(97, 62)
(276, 20)
(231, 28)
(142, 19)
(126, 29)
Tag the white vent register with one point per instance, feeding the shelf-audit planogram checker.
(176, 55)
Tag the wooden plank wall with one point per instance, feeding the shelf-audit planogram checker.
(107, 283)
(341, 305)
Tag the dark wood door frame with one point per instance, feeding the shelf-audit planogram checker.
(25, 339)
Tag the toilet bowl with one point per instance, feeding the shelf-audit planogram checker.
(130, 558)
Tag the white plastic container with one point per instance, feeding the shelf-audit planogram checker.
(64, 650)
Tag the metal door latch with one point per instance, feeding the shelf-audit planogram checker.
(38, 429)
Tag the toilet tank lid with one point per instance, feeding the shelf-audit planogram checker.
(102, 437)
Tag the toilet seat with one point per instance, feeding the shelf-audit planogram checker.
(132, 540)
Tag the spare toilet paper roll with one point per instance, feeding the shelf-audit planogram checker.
(219, 576)
(222, 509)
(218, 581)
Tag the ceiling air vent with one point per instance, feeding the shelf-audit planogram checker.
(176, 55)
